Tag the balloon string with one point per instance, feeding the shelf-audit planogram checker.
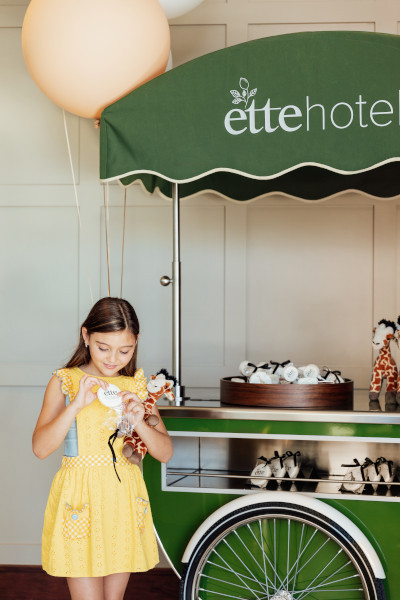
(107, 224)
(77, 202)
(123, 243)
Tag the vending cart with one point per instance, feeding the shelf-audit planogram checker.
(308, 537)
(307, 115)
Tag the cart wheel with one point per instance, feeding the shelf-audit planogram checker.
(278, 552)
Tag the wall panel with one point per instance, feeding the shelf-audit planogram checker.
(203, 290)
(309, 286)
(25, 479)
(147, 257)
(191, 41)
(30, 119)
(38, 290)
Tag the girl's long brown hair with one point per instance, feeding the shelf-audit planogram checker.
(107, 315)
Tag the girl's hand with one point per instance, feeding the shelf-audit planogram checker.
(133, 408)
(85, 395)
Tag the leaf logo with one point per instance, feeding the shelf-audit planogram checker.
(244, 95)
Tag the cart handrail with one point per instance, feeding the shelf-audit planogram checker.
(262, 477)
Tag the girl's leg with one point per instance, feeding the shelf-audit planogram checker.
(86, 588)
(115, 586)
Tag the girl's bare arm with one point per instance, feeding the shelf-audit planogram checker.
(157, 439)
(55, 418)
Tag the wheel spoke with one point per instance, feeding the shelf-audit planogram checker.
(243, 587)
(324, 584)
(234, 572)
(288, 551)
(274, 567)
(224, 595)
(265, 567)
(250, 554)
(360, 589)
(297, 562)
(266, 556)
(337, 590)
(286, 581)
(251, 579)
(265, 587)
(326, 566)
(311, 557)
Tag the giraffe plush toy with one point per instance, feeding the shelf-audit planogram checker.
(384, 366)
(398, 378)
(159, 385)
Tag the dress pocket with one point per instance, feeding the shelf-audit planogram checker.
(142, 507)
(76, 522)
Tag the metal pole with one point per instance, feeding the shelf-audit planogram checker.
(165, 280)
(176, 297)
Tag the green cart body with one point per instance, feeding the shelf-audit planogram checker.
(187, 492)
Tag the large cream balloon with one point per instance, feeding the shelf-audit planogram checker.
(85, 54)
(176, 8)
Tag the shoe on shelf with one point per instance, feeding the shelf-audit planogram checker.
(262, 469)
(386, 470)
(371, 472)
(277, 466)
(292, 463)
(355, 472)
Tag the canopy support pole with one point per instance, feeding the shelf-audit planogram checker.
(176, 297)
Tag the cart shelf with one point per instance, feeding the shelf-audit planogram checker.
(316, 483)
(221, 462)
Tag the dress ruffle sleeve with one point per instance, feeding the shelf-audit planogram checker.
(66, 382)
(140, 382)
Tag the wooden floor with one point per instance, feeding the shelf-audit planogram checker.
(32, 583)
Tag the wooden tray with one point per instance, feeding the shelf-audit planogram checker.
(322, 396)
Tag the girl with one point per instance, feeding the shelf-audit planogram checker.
(97, 529)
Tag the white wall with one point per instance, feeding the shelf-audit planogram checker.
(246, 293)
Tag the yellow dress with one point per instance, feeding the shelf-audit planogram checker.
(95, 525)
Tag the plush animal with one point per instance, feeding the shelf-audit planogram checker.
(384, 366)
(158, 386)
(397, 336)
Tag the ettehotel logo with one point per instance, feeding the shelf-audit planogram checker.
(290, 118)
(244, 95)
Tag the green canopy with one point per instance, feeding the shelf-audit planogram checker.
(307, 114)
